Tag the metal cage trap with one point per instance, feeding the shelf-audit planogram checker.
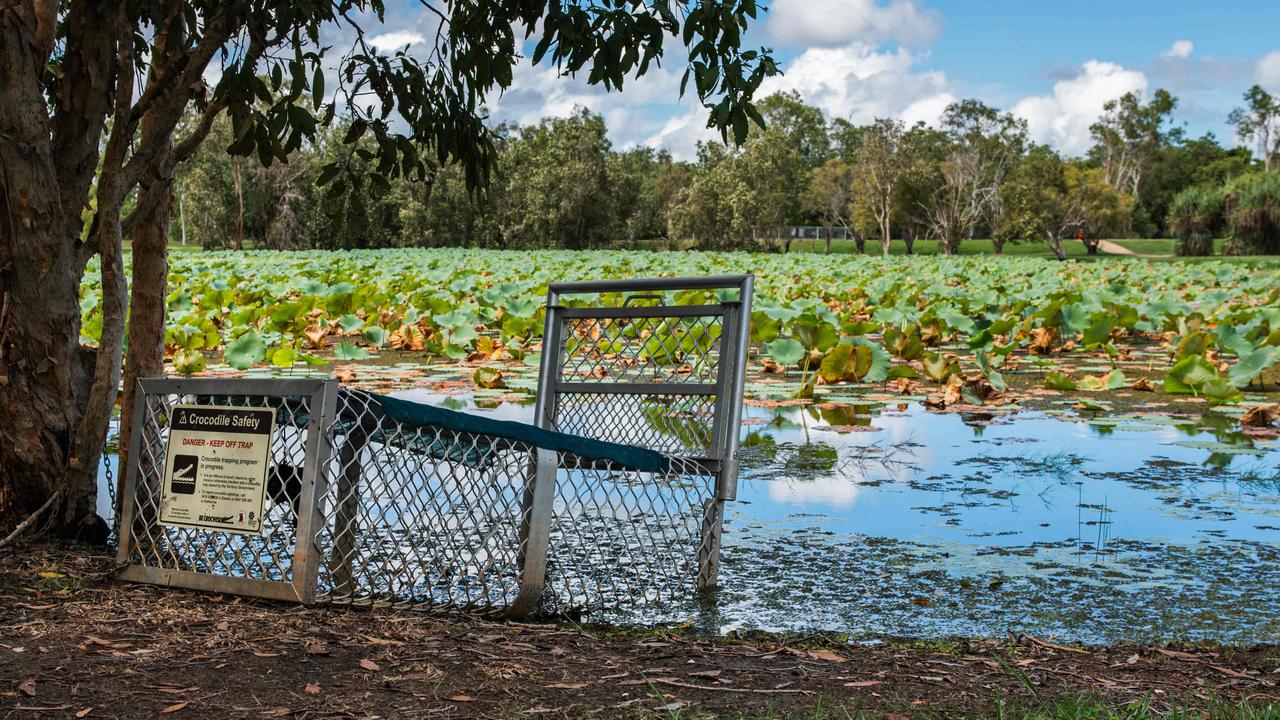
(613, 498)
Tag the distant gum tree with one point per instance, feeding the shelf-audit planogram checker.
(1055, 199)
(90, 102)
(1259, 123)
(983, 147)
(829, 193)
(1130, 134)
(880, 163)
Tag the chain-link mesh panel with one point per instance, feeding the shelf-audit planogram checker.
(430, 517)
(622, 538)
(661, 377)
(675, 349)
(268, 556)
(420, 515)
(672, 424)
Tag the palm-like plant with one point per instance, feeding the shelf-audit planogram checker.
(1253, 210)
(1195, 215)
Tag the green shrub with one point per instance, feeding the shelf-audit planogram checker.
(1252, 207)
(1195, 215)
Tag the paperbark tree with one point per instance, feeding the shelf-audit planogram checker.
(984, 146)
(1129, 135)
(830, 189)
(92, 91)
(880, 163)
(1259, 123)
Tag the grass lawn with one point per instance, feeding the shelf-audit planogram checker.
(983, 247)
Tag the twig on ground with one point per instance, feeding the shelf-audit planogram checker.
(1052, 646)
(691, 686)
(25, 524)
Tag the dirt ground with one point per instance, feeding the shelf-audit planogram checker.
(76, 643)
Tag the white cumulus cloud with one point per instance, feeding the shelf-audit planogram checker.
(1179, 49)
(1062, 119)
(829, 23)
(632, 116)
(1267, 71)
(395, 40)
(859, 83)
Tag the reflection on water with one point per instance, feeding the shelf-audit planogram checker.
(874, 520)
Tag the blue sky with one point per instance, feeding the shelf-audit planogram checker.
(1052, 63)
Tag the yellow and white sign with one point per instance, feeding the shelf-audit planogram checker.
(215, 468)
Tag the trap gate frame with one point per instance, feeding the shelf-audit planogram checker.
(525, 528)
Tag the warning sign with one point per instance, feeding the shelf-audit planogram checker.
(216, 466)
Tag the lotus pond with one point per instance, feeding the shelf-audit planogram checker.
(932, 447)
(870, 514)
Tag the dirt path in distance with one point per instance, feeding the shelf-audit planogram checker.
(1113, 248)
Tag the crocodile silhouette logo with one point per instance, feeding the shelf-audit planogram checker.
(185, 469)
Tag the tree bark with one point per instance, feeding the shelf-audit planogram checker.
(147, 303)
(81, 472)
(40, 368)
(236, 179)
(1055, 244)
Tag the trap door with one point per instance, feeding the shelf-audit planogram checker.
(644, 372)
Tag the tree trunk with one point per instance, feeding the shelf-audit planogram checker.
(41, 373)
(1055, 244)
(147, 305)
(998, 244)
(236, 179)
(910, 241)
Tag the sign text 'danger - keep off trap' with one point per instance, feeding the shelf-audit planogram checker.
(216, 468)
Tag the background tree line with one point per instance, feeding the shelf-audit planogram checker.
(977, 174)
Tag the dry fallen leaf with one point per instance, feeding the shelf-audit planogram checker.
(313, 688)
(567, 686)
(224, 626)
(85, 712)
(28, 687)
(368, 664)
(827, 655)
(1042, 340)
(462, 698)
(175, 707)
(1261, 415)
(863, 683)
(772, 367)
(1179, 655)
(317, 649)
